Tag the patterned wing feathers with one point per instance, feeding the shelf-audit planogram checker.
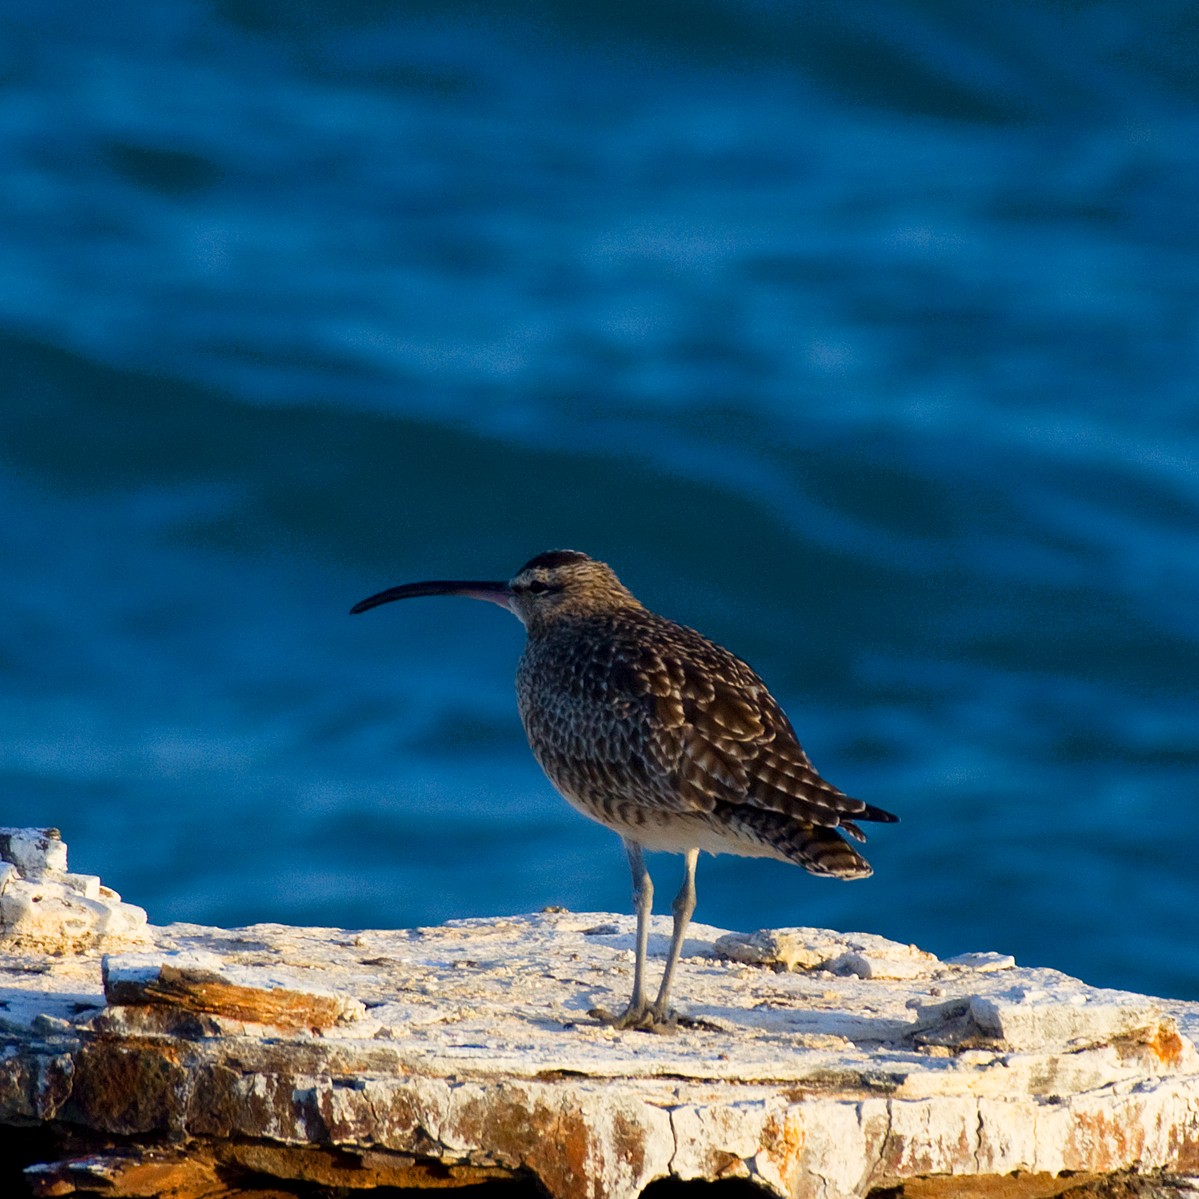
(727, 741)
(732, 714)
(781, 782)
(719, 737)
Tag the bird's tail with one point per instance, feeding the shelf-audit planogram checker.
(870, 812)
(819, 850)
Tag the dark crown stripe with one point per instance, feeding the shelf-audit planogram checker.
(552, 558)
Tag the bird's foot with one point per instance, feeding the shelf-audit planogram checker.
(642, 1017)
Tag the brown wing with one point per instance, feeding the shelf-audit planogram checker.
(722, 739)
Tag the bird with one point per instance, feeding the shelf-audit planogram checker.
(664, 737)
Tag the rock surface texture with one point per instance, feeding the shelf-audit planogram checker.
(191, 1061)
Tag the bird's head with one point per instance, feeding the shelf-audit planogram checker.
(555, 585)
(562, 583)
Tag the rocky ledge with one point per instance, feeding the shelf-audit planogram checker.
(204, 1062)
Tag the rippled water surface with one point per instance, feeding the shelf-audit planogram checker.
(868, 344)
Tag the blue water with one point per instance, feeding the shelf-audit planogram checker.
(864, 339)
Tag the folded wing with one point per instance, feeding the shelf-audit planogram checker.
(725, 746)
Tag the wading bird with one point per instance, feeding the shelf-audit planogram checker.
(662, 736)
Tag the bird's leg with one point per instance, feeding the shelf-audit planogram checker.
(683, 906)
(643, 899)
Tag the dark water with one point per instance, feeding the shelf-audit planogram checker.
(865, 339)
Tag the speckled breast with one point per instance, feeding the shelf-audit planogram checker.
(590, 733)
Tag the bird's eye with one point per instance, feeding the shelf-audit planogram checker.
(536, 586)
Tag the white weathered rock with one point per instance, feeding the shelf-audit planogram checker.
(1029, 1019)
(87, 885)
(465, 1052)
(34, 851)
(864, 955)
(982, 962)
(46, 908)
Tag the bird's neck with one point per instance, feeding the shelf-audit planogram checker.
(579, 614)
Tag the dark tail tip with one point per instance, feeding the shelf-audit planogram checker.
(881, 815)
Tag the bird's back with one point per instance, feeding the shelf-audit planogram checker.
(659, 733)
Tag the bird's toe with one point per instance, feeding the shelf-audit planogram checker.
(641, 1017)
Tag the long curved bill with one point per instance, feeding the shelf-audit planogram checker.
(495, 593)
